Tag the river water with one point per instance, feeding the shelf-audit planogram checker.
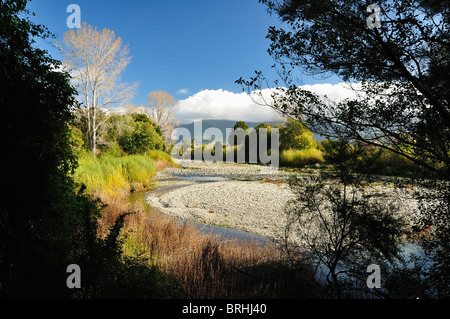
(407, 249)
(218, 232)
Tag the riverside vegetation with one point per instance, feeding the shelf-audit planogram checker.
(76, 211)
(191, 263)
(196, 265)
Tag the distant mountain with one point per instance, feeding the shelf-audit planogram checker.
(222, 125)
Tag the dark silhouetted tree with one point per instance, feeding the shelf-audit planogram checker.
(399, 73)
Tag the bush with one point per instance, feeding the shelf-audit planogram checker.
(76, 139)
(304, 141)
(298, 158)
(390, 163)
(296, 135)
(370, 159)
(143, 138)
(161, 156)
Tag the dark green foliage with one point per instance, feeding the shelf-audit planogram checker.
(369, 159)
(435, 205)
(132, 133)
(107, 275)
(402, 68)
(268, 129)
(45, 224)
(260, 134)
(143, 138)
(36, 233)
(242, 125)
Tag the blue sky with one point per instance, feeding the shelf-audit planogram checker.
(179, 46)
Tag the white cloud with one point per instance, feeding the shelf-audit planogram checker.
(225, 105)
(335, 92)
(183, 91)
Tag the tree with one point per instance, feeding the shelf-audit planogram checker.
(144, 136)
(35, 101)
(95, 60)
(50, 229)
(239, 125)
(161, 109)
(403, 95)
(55, 224)
(399, 72)
(296, 135)
(344, 226)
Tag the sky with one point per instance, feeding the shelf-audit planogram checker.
(194, 50)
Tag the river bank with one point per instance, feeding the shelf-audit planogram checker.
(243, 197)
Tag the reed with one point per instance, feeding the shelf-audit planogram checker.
(205, 266)
(117, 176)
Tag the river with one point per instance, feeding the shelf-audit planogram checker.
(407, 249)
(218, 232)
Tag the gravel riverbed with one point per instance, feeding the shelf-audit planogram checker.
(238, 196)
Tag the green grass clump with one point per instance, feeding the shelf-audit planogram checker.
(298, 158)
(161, 156)
(115, 175)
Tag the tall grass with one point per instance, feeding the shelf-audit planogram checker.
(204, 266)
(117, 176)
(298, 158)
(161, 157)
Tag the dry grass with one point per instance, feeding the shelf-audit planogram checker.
(205, 266)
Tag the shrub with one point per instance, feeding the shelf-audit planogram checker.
(76, 139)
(143, 138)
(304, 141)
(296, 135)
(298, 158)
(334, 148)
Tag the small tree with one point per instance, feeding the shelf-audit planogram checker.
(342, 224)
(243, 126)
(56, 225)
(296, 135)
(161, 107)
(401, 98)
